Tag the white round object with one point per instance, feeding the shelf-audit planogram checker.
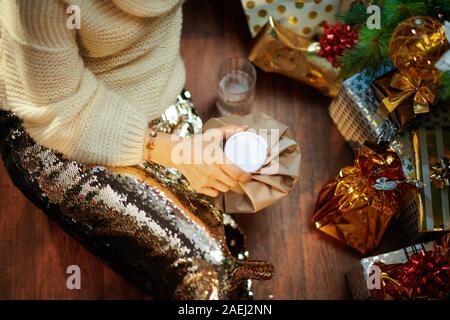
(246, 150)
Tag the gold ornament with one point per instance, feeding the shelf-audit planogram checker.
(416, 45)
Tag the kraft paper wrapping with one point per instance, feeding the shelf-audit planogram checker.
(279, 173)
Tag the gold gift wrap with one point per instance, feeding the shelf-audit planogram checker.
(403, 98)
(349, 207)
(403, 112)
(280, 50)
(432, 145)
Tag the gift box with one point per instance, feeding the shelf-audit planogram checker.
(432, 153)
(357, 276)
(355, 110)
(278, 174)
(402, 111)
(356, 113)
(403, 145)
(302, 17)
(280, 50)
(358, 205)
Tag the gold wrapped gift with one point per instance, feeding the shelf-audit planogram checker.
(432, 152)
(403, 112)
(354, 207)
(402, 98)
(280, 50)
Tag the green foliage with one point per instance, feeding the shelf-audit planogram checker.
(355, 16)
(372, 48)
(439, 7)
(444, 93)
(370, 52)
(357, 13)
(395, 11)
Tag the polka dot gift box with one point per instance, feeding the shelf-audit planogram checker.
(304, 17)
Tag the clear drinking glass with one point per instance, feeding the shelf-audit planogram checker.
(236, 84)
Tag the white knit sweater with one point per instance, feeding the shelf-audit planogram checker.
(89, 93)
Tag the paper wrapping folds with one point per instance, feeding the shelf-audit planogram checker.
(302, 17)
(430, 146)
(356, 277)
(349, 207)
(354, 110)
(266, 186)
(280, 50)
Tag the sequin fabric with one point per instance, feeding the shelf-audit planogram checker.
(143, 221)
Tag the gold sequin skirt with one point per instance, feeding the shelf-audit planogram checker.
(143, 221)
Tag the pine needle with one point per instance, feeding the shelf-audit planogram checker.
(355, 16)
(439, 7)
(444, 92)
(372, 48)
(395, 11)
(370, 52)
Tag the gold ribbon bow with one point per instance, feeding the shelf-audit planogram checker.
(424, 93)
(440, 173)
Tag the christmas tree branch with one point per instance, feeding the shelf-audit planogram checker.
(372, 48)
(444, 93)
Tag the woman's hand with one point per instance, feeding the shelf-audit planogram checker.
(201, 159)
(214, 173)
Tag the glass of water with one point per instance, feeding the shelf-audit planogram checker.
(236, 84)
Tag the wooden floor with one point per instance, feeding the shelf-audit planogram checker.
(34, 252)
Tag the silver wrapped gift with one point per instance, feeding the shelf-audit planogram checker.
(357, 276)
(354, 110)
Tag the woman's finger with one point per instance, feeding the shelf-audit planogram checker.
(222, 187)
(209, 192)
(225, 178)
(236, 173)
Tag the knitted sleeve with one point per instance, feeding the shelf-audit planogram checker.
(61, 102)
